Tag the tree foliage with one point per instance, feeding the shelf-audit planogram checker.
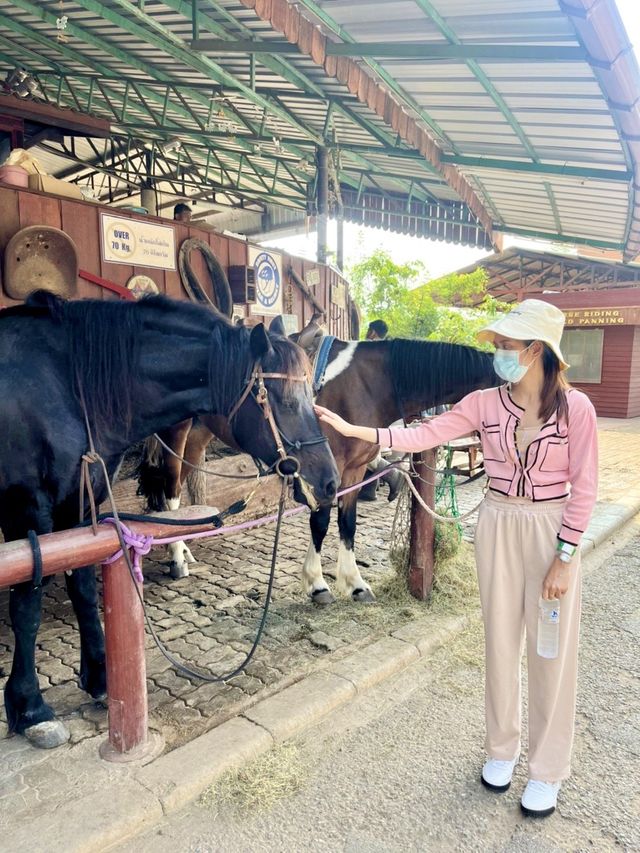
(451, 308)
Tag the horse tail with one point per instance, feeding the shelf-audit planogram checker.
(197, 486)
(150, 474)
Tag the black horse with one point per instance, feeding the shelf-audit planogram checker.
(136, 367)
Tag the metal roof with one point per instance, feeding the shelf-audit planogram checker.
(443, 117)
(518, 273)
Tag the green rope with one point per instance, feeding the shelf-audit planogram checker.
(445, 497)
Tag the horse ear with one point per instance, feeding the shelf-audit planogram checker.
(259, 341)
(276, 327)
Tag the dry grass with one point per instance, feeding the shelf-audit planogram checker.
(259, 785)
(455, 587)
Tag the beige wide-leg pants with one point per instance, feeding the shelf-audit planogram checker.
(515, 544)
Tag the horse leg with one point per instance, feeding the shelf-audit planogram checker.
(83, 592)
(313, 582)
(349, 581)
(179, 554)
(195, 454)
(27, 712)
(193, 451)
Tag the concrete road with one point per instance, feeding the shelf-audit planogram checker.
(397, 770)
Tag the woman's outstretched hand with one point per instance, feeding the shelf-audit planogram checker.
(326, 416)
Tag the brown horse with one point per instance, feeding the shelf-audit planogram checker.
(368, 383)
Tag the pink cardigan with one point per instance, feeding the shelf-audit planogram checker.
(561, 461)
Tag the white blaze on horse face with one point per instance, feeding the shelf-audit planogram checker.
(348, 577)
(340, 364)
(312, 579)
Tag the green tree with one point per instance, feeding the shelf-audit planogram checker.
(451, 308)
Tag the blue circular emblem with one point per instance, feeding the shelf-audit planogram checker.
(267, 279)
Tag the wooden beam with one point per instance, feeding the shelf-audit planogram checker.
(69, 120)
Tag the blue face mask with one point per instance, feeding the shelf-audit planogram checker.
(506, 364)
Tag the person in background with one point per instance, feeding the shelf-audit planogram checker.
(182, 213)
(540, 448)
(377, 331)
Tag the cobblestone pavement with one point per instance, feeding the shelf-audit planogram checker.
(210, 619)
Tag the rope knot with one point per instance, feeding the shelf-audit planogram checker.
(137, 543)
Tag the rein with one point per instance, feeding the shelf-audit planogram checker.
(125, 537)
(261, 397)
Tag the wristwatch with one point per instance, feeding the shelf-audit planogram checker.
(565, 551)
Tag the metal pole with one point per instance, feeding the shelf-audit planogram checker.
(422, 527)
(147, 191)
(322, 200)
(340, 242)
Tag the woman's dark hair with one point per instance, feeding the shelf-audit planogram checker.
(553, 397)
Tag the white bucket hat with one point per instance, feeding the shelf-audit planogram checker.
(531, 320)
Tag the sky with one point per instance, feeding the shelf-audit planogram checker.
(438, 258)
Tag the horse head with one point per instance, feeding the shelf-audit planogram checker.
(274, 418)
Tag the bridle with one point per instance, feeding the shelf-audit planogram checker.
(261, 397)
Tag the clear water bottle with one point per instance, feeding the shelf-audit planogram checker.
(548, 628)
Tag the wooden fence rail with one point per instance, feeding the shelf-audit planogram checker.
(123, 616)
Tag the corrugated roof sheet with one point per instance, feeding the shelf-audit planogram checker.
(545, 146)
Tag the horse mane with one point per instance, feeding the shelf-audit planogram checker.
(103, 346)
(227, 384)
(434, 370)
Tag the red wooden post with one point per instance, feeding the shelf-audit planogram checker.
(422, 527)
(126, 666)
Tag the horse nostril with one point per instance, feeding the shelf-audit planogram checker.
(330, 489)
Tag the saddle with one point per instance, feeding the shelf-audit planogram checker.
(40, 257)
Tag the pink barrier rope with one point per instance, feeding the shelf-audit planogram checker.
(140, 544)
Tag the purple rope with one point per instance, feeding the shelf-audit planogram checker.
(140, 544)
(137, 543)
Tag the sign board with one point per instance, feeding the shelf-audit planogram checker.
(312, 277)
(267, 267)
(339, 294)
(290, 322)
(584, 317)
(137, 243)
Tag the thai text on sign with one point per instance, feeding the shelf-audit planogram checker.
(603, 317)
(137, 243)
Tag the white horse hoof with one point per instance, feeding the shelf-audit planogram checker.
(363, 596)
(47, 735)
(179, 570)
(180, 557)
(322, 597)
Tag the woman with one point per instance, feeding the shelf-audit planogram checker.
(539, 441)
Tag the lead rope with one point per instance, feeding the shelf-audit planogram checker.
(94, 457)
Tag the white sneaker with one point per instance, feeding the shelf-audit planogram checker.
(540, 798)
(497, 774)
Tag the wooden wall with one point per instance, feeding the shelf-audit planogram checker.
(633, 410)
(618, 393)
(611, 396)
(80, 220)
